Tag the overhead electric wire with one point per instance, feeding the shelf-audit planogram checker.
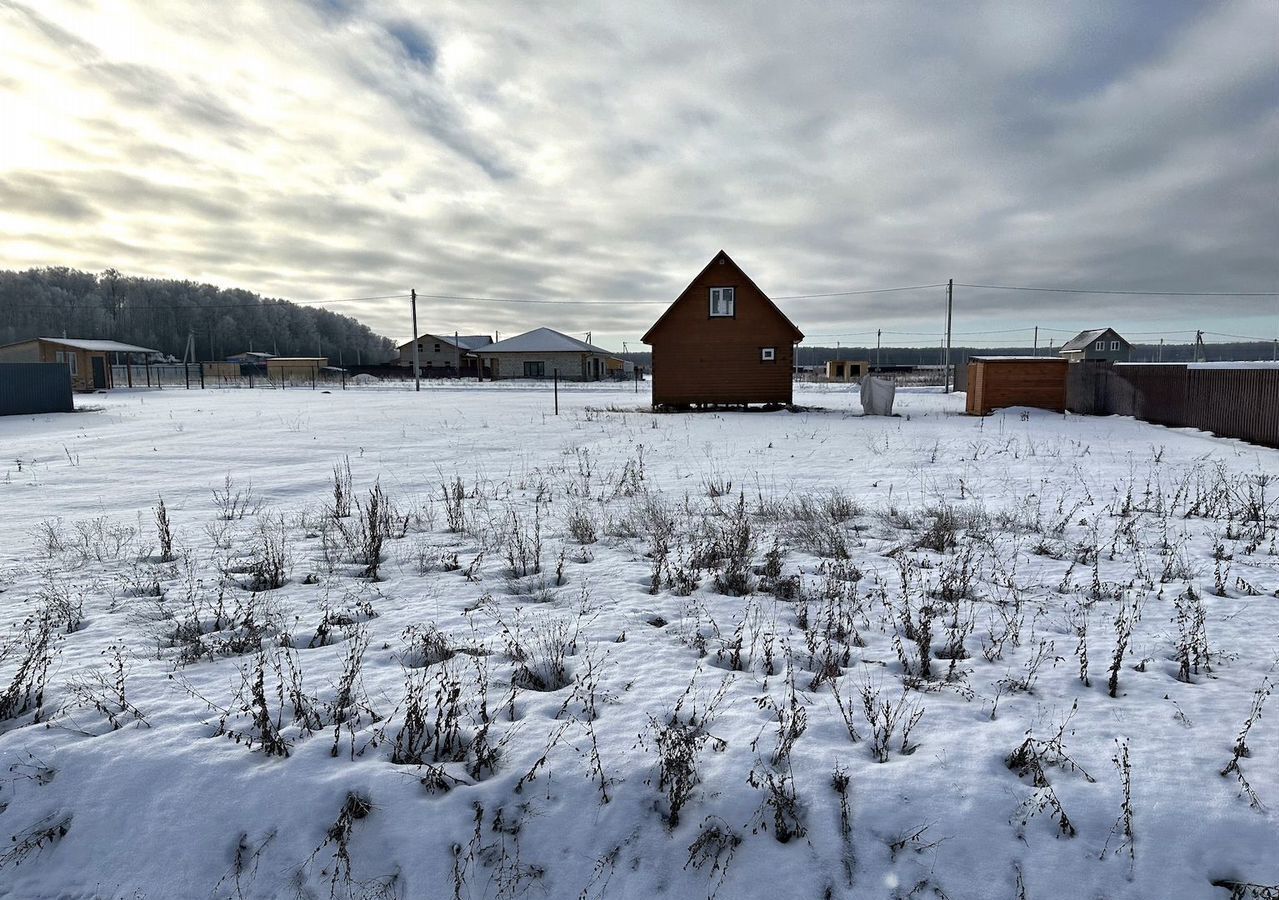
(1007, 287)
(1245, 337)
(913, 287)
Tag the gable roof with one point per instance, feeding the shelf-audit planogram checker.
(1084, 338)
(98, 346)
(465, 341)
(543, 340)
(797, 334)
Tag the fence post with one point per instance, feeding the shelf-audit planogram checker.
(557, 390)
(344, 379)
(314, 370)
(186, 373)
(201, 376)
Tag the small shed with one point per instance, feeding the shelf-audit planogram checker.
(723, 342)
(295, 368)
(88, 360)
(846, 369)
(995, 382)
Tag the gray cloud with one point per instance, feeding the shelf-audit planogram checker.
(333, 148)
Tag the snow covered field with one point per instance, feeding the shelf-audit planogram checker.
(617, 654)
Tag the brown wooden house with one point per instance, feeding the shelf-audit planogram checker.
(722, 343)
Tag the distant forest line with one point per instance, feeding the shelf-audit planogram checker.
(160, 313)
(933, 356)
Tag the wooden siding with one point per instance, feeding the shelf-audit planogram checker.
(703, 360)
(996, 384)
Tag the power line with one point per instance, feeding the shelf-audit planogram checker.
(530, 300)
(1005, 287)
(1246, 337)
(892, 290)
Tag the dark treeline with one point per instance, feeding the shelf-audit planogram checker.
(160, 313)
(932, 356)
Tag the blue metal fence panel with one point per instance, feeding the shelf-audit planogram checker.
(30, 388)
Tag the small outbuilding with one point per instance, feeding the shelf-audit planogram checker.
(543, 352)
(296, 368)
(89, 360)
(995, 382)
(723, 342)
(1097, 343)
(846, 369)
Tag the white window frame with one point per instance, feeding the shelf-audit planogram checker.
(1101, 345)
(70, 359)
(767, 354)
(1114, 345)
(723, 303)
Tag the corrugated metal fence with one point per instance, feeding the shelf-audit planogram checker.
(1240, 403)
(30, 388)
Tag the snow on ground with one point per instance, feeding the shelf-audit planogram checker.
(508, 707)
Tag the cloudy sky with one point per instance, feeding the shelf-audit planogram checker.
(602, 153)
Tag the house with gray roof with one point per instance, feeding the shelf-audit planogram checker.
(445, 354)
(543, 352)
(1096, 343)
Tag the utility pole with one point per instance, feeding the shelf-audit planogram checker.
(1161, 350)
(1199, 345)
(458, 347)
(879, 332)
(950, 297)
(1036, 340)
(417, 370)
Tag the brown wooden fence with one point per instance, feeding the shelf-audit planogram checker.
(1230, 402)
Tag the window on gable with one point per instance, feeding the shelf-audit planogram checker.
(1114, 345)
(1101, 345)
(767, 354)
(437, 348)
(723, 302)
